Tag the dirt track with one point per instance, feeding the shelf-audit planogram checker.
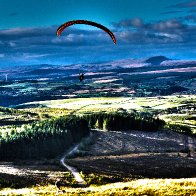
(73, 170)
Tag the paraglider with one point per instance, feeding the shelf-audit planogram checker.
(81, 77)
(87, 22)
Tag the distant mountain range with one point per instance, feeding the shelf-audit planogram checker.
(152, 76)
(42, 70)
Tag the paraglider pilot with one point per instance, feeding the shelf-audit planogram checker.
(81, 77)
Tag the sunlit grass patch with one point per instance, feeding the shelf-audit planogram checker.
(168, 108)
(155, 102)
(135, 187)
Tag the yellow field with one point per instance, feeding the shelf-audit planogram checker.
(103, 103)
(141, 104)
(137, 187)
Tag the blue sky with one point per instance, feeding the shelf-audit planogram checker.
(142, 28)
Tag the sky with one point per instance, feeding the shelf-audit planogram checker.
(143, 28)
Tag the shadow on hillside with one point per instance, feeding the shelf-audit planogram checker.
(143, 165)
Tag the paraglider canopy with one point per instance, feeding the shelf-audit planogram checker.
(72, 22)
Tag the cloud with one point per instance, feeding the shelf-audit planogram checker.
(134, 22)
(33, 56)
(16, 33)
(12, 44)
(47, 36)
(165, 31)
(25, 45)
(167, 25)
(186, 4)
(2, 55)
(148, 38)
(134, 36)
(133, 30)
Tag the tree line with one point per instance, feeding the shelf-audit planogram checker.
(44, 139)
(124, 121)
(49, 138)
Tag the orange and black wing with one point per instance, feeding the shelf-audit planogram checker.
(73, 22)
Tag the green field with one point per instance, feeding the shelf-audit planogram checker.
(101, 103)
(174, 110)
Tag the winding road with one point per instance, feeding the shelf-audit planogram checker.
(73, 170)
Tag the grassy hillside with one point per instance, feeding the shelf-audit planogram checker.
(40, 125)
(177, 111)
(168, 187)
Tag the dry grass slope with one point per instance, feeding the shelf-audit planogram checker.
(165, 187)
